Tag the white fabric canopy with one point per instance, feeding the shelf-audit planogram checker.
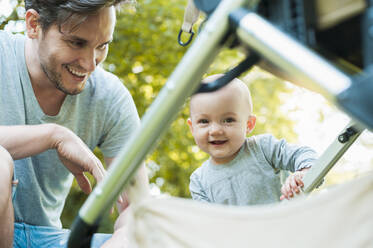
(340, 217)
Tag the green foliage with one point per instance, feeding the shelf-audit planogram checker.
(145, 50)
(15, 16)
(143, 55)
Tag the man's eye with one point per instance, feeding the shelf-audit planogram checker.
(102, 47)
(76, 43)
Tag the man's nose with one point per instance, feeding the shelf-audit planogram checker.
(89, 60)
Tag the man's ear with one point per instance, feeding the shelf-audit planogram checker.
(189, 121)
(250, 124)
(32, 23)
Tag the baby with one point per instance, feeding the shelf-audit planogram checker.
(240, 170)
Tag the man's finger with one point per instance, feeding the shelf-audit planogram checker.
(122, 202)
(83, 183)
(98, 171)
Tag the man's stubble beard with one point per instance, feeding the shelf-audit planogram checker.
(56, 79)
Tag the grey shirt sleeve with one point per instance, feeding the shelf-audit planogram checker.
(121, 121)
(195, 186)
(284, 156)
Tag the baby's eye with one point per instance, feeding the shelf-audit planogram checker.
(229, 120)
(203, 121)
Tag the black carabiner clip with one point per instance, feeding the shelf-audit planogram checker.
(186, 43)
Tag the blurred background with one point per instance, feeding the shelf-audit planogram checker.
(143, 55)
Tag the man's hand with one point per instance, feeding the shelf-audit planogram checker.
(293, 184)
(139, 186)
(77, 157)
(120, 238)
(24, 141)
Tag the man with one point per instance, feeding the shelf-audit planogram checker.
(56, 106)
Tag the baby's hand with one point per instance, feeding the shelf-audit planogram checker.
(293, 184)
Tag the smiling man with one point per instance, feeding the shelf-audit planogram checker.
(56, 105)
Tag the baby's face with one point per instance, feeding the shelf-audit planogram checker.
(219, 123)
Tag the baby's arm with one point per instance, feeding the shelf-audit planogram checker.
(284, 156)
(293, 184)
(196, 189)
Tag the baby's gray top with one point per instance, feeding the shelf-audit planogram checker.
(252, 177)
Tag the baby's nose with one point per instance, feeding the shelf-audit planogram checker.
(215, 128)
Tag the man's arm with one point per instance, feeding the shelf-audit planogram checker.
(27, 140)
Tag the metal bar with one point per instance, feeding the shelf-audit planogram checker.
(330, 156)
(292, 58)
(183, 81)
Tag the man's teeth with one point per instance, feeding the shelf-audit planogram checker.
(76, 73)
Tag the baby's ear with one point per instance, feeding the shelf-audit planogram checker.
(250, 123)
(189, 121)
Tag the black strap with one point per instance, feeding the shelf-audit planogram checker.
(251, 60)
(188, 41)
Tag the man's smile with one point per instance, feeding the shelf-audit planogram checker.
(75, 72)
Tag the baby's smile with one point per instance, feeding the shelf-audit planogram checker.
(218, 142)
